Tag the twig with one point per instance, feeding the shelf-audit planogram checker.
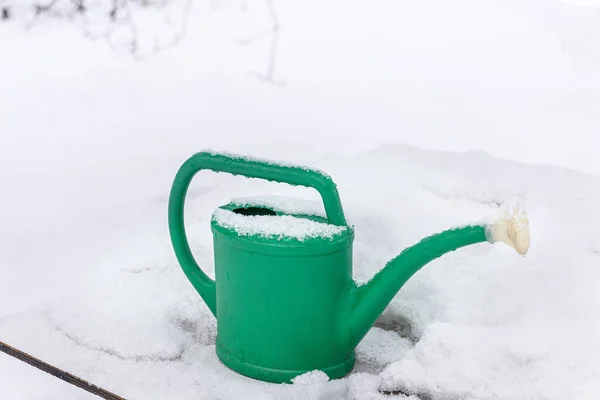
(269, 76)
(59, 373)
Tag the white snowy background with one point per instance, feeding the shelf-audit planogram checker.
(427, 114)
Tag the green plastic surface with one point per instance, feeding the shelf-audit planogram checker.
(285, 308)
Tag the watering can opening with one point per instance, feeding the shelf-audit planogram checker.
(261, 225)
(254, 211)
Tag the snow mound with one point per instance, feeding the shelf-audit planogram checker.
(478, 323)
(311, 378)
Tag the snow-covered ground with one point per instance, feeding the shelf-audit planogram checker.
(91, 143)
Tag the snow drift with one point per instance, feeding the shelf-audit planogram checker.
(477, 324)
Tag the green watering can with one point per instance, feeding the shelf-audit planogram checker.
(285, 300)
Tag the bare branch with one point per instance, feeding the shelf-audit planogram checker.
(115, 23)
(273, 32)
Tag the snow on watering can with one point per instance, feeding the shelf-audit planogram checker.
(283, 293)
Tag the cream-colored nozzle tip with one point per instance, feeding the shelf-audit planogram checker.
(511, 228)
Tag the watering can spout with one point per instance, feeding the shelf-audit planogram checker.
(366, 302)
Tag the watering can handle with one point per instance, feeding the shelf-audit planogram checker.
(251, 168)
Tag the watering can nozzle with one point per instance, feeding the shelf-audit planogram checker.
(511, 228)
